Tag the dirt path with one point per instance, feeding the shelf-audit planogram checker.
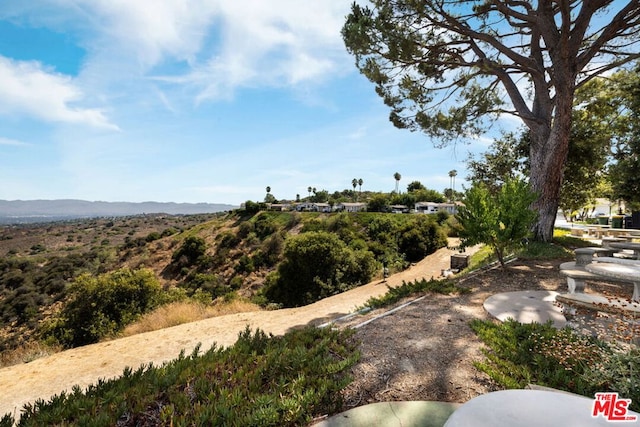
(42, 378)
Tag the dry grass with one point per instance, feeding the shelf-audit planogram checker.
(26, 353)
(181, 312)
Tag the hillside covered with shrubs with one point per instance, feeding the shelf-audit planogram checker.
(83, 282)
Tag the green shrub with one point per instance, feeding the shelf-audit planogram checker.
(396, 293)
(272, 248)
(264, 226)
(210, 284)
(519, 354)
(101, 306)
(420, 237)
(252, 207)
(228, 240)
(245, 264)
(317, 265)
(260, 380)
(153, 236)
(190, 252)
(501, 221)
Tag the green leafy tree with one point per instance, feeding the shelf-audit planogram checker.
(450, 68)
(505, 159)
(420, 237)
(269, 198)
(415, 186)
(378, 203)
(428, 195)
(500, 220)
(102, 305)
(317, 265)
(252, 207)
(406, 199)
(321, 196)
(624, 172)
(191, 251)
(597, 121)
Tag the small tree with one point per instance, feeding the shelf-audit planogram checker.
(415, 186)
(103, 305)
(378, 203)
(501, 220)
(317, 265)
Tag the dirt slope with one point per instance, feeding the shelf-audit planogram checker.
(42, 378)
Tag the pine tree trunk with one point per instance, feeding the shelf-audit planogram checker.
(548, 155)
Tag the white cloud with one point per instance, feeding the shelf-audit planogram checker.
(212, 47)
(150, 30)
(285, 41)
(26, 88)
(12, 142)
(269, 43)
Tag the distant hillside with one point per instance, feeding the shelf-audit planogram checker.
(12, 211)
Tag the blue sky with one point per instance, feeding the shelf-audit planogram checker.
(195, 101)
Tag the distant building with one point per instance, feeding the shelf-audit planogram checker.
(432, 207)
(279, 206)
(399, 208)
(313, 207)
(351, 207)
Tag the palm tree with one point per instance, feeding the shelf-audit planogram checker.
(397, 177)
(309, 190)
(354, 182)
(360, 182)
(268, 189)
(452, 182)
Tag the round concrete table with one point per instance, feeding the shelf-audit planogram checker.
(618, 271)
(528, 408)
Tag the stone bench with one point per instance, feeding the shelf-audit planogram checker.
(617, 260)
(606, 241)
(577, 275)
(585, 256)
(598, 303)
(577, 232)
(617, 232)
(625, 255)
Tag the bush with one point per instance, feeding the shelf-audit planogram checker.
(501, 221)
(210, 284)
(317, 265)
(272, 249)
(244, 229)
(260, 380)
(520, 354)
(420, 237)
(228, 240)
(151, 237)
(190, 253)
(101, 306)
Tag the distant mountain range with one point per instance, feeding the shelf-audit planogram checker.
(15, 211)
